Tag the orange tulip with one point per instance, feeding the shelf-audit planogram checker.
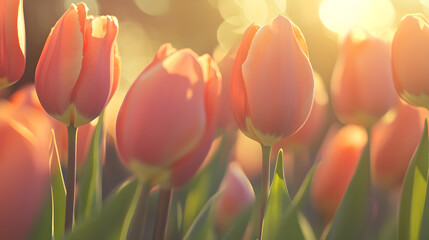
(168, 119)
(24, 169)
(338, 163)
(362, 89)
(393, 142)
(272, 84)
(12, 42)
(237, 196)
(410, 58)
(78, 70)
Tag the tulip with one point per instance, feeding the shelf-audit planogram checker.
(12, 42)
(24, 169)
(390, 157)
(410, 58)
(272, 84)
(362, 89)
(272, 88)
(337, 165)
(237, 196)
(167, 121)
(78, 69)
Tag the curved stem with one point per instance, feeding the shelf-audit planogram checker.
(139, 215)
(164, 202)
(71, 178)
(265, 183)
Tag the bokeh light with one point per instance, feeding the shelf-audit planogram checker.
(154, 8)
(340, 16)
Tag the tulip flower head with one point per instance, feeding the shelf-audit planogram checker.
(272, 86)
(393, 142)
(24, 169)
(410, 59)
(237, 196)
(168, 119)
(362, 89)
(78, 70)
(338, 163)
(12, 42)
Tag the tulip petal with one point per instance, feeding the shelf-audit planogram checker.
(60, 64)
(238, 95)
(96, 78)
(12, 42)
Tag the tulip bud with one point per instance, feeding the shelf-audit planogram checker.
(272, 84)
(338, 163)
(78, 69)
(12, 42)
(410, 59)
(24, 169)
(362, 89)
(393, 142)
(168, 119)
(237, 196)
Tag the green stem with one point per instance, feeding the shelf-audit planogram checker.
(71, 178)
(265, 183)
(163, 210)
(136, 230)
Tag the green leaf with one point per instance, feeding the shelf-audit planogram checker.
(89, 198)
(424, 231)
(349, 218)
(414, 191)
(113, 220)
(278, 202)
(58, 193)
(238, 226)
(200, 228)
(295, 224)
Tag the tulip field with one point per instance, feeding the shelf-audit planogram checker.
(214, 119)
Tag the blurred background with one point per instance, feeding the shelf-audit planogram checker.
(214, 27)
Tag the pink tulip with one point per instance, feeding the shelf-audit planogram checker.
(24, 169)
(362, 89)
(410, 58)
(78, 71)
(338, 163)
(393, 142)
(237, 196)
(12, 42)
(168, 119)
(272, 84)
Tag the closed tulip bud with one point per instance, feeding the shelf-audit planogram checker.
(338, 163)
(410, 58)
(393, 142)
(78, 69)
(362, 89)
(168, 119)
(24, 169)
(12, 42)
(237, 196)
(272, 84)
